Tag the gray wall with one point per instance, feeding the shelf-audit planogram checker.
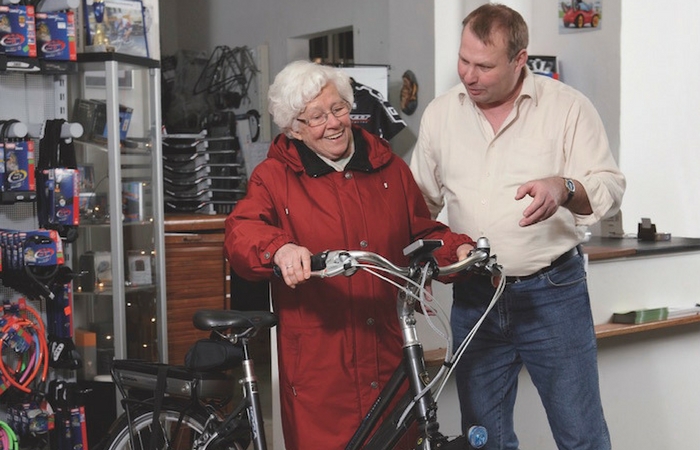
(403, 39)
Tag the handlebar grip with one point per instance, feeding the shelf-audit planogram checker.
(318, 262)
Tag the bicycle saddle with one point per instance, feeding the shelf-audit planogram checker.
(217, 319)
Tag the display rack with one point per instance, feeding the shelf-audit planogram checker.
(126, 171)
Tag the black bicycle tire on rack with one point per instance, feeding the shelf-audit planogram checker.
(142, 418)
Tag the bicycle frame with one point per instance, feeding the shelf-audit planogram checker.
(418, 403)
(412, 367)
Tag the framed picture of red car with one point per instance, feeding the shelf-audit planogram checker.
(580, 15)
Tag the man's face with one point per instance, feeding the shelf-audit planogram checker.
(490, 77)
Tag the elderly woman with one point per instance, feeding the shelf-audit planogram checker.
(328, 185)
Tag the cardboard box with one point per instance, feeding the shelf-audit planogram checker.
(86, 344)
(18, 30)
(55, 33)
(92, 115)
(125, 114)
(19, 166)
(133, 201)
(140, 273)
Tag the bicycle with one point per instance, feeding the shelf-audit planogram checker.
(187, 421)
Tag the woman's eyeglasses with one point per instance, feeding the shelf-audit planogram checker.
(318, 119)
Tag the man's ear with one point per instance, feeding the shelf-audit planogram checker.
(521, 59)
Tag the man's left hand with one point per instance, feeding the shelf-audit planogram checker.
(547, 195)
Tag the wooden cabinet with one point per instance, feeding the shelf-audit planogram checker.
(197, 277)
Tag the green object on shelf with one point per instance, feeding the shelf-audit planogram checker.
(641, 316)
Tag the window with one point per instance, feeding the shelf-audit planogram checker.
(332, 47)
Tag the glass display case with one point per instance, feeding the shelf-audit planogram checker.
(119, 298)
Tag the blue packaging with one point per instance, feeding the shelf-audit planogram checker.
(125, 114)
(19, 166)
(18, 30)
(64, 202)
(43, 248)
(55, 35)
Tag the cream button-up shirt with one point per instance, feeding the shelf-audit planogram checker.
(553, 130)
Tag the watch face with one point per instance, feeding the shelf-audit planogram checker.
(570, 186)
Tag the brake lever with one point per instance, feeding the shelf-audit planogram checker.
(488, 267)
(337, 262)
(328, 264)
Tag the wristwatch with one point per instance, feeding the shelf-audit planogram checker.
(571, 188)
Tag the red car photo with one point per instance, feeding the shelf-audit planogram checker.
(578, 14)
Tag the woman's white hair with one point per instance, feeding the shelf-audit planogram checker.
(299, 83)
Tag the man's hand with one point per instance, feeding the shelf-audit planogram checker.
(547, 195)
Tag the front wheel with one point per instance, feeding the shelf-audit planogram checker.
(178, 436)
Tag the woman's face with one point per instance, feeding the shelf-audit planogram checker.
(333, 138)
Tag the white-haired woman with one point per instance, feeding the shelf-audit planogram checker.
(328, 185)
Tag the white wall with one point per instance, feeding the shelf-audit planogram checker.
(660, 119)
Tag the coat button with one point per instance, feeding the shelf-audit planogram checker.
(267, 255)
(363, 244)
(370, 321)
(374, 385)
(348, 175)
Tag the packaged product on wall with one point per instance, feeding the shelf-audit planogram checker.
(59, 188)
(55, 33)
(18, 30)
(19, 166)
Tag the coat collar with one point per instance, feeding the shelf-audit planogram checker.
(371, 152)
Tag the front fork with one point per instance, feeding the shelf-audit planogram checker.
(418, 377)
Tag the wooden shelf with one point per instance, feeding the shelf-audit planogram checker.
(618, 329)
(435, 357)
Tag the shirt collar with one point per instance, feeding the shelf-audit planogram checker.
(528, 90)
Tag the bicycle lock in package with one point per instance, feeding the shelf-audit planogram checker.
(58, 179)
(17, 161)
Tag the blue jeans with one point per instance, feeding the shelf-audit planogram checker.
(544, 323)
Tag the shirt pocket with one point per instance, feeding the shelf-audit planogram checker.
(533, 158)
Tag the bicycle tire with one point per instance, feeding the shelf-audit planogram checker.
(191, 428)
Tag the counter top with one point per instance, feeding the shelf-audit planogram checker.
(193, 222)
(601, 248)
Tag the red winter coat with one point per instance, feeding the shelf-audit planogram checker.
(338, 338)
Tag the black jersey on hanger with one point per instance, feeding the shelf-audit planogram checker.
(373, 113)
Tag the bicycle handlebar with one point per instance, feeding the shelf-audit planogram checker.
(331, 263)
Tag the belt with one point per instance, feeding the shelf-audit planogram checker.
(556, 263)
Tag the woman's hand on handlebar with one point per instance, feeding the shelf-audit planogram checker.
(294, 262)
